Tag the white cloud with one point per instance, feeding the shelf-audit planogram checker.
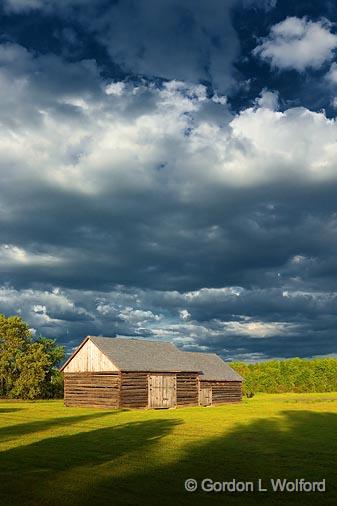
(14, 255)
(116, 145)
(106, 309)
(115, 89)
(294, 144)
(40, 309)
(298, 44)
(268, 100)
(213, 293)
(216, 332)
(22, 5)
(184, 314)
(70, 314)
(137, 316)
(143, 150)
(259, 329)
(331, 76)
(49, 312)
(298, 259)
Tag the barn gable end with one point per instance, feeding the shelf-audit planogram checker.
(89, 358)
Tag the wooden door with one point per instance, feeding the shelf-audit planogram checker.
(162, 391)
(205, 395)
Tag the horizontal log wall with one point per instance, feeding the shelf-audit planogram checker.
(134, 390)
(225, 391)
(92, 389)
(187, 389)
(130, 389)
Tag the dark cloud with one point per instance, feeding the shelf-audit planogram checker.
(236, 323)
(197, 38)
(148, 205)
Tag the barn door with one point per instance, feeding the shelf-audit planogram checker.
(205, 395)
(162, 391)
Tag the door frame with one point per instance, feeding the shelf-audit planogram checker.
(201, 384)
(171, 375)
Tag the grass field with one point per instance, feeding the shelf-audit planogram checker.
(52, 455)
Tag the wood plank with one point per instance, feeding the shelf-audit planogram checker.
(89, 358)
(133, 390)
(187, 389)
(162, 390)
(91, 389)
(224, 391)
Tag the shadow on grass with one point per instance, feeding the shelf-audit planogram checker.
(18, 430)
(26, 471)
(9, 410)
(302, 444)
(130, 464)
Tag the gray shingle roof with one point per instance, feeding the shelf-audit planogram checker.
(143, 355)
(213, 367)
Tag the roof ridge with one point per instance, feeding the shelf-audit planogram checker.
(203, 353)
(132, 339)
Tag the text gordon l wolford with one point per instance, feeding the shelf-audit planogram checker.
(271, 485)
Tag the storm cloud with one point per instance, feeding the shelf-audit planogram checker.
(146, 204)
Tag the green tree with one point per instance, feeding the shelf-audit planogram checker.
(290, 375)
(15, 339)
(28, 365)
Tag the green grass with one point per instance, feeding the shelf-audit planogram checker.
(53, 456)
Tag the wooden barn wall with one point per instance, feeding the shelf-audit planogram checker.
(92, 389)
(225, 391)
(89, 358)
(187, 389)
(134, 390)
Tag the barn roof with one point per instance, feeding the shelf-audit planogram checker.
(160, 356)
(212, 367)
(143, 355)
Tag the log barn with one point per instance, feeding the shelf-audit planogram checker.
(137, 373)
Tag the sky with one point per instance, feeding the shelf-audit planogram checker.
(168, 170)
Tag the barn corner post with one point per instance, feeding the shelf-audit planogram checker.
(119, 389)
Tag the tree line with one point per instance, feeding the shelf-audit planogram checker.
(29, 368)
(289, 375)
(28, 363)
